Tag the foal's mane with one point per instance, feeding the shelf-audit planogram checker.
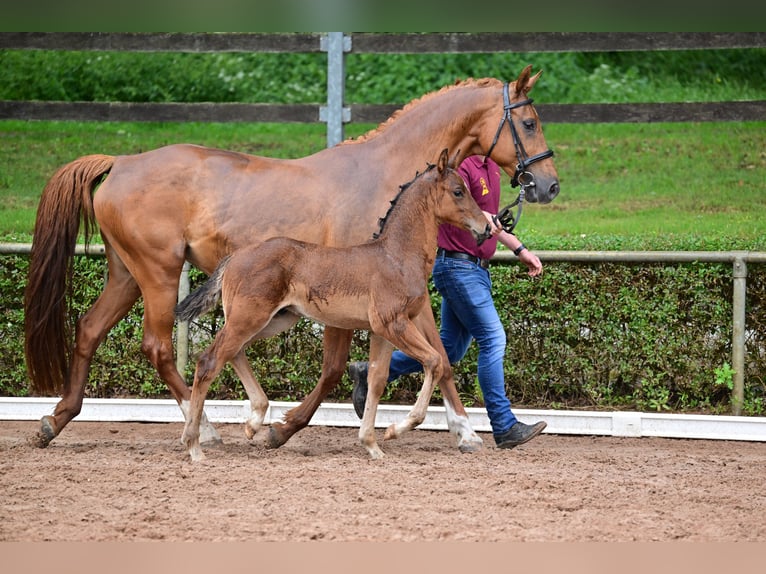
(470, 82)
(402, 188)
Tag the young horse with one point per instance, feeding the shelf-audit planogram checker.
(179, 203)
(380, 286)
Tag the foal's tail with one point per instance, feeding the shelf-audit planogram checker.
(204, 298)
(66, 199)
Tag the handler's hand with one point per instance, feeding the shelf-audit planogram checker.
(532, 261)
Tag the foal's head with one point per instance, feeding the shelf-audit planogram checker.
(438, 194)
(454, 203)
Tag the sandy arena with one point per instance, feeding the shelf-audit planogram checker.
(135, 482)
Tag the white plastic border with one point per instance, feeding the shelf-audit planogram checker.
(604, 423)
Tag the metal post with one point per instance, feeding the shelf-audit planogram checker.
(182, 329)
(738, 334)
(334, 114)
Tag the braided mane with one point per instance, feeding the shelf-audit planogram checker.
(470, 82)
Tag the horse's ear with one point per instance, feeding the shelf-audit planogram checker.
(443, 162)
(524, 82)
(453, 161)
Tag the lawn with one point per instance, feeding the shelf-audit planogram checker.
(636, 186)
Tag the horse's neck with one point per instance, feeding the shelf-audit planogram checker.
(448, 120)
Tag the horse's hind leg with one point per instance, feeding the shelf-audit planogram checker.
(337, 343)
(119, 295)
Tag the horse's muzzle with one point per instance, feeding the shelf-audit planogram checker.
(535, 195)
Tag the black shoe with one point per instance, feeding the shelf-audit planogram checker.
(358, 374)
(519, 433)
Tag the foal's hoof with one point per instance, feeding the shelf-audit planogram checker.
(275, 438)
(46, 433)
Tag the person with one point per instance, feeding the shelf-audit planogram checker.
(461, 276)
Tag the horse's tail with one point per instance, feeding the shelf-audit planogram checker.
(204, 298)
(66, 200)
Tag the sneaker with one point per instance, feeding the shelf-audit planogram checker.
(519, 433)
(358, 373)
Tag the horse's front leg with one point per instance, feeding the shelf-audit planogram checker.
(337, 343)
(380, 357)
(457, 418)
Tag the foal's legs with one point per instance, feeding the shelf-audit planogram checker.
(209, 365)
(457, 418)
(119, 295)
(405, 335)
(380, 357)
(259, 402)
(242, 323)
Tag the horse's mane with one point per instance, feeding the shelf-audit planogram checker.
(470, 82)
(402, 188)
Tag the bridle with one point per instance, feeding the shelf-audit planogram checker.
(521, 178)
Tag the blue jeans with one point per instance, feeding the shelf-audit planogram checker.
(467, 313)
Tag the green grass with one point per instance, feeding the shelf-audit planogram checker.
(623, 186)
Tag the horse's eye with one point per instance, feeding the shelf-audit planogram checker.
(458, 192)
(529, 124)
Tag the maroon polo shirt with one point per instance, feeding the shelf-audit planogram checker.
(483, 180)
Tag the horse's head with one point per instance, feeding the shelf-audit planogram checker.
(521, 150)
(455, 204)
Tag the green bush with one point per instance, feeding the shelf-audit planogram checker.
(650, 337)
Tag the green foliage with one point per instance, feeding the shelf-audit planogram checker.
(650, 337)
(569, 77)
(162, 77)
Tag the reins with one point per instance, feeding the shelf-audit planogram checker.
(521, 178)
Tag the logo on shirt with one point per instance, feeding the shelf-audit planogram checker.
(484, 188)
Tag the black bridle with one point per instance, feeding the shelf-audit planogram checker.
(521, 178)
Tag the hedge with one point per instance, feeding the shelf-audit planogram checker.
(651, 337)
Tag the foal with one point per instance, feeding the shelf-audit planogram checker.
(380, 286)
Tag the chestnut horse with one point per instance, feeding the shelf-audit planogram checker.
(379, 286)
(179, 203)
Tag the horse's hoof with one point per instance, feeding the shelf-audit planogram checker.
(471, 446)
(46, 433)
(274, 439)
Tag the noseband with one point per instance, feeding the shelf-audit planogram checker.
(521, 178)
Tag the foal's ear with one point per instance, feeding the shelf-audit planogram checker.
(443, 162)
